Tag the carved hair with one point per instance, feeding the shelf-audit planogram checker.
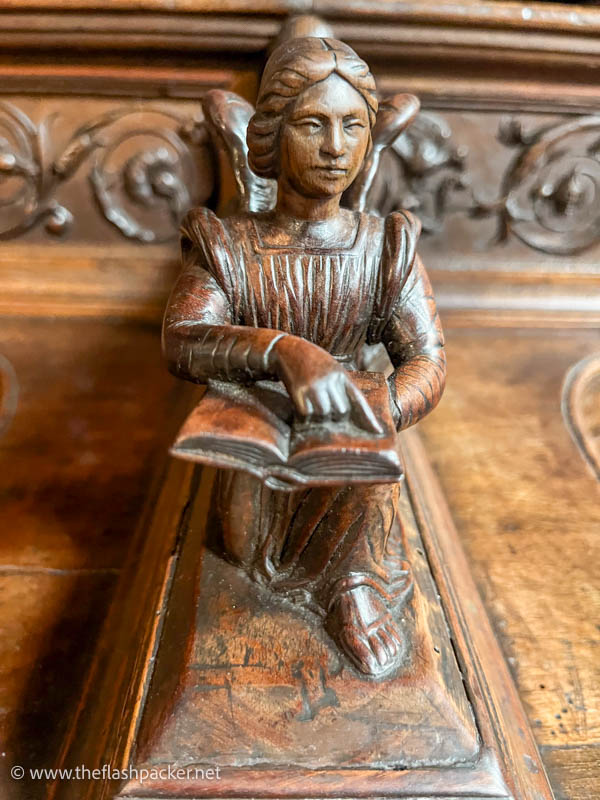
(294, 67)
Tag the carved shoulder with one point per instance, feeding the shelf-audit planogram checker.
(401, 234)
(205, 237)
(201, 228)
(402, 231)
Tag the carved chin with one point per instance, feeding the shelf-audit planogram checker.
(326, 183)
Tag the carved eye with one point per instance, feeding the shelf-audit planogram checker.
(311, 125)
(353, 126)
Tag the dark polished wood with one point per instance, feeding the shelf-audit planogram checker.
(317, 660)
(293, 288)
(472, 64)
(77, 447)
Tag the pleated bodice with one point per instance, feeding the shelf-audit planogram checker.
(323, 295)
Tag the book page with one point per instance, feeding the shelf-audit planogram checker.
(236, 426)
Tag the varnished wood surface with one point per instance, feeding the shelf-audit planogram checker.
(75, 464)
(76, 460)
(492, 14)
(280, 672)
(174, 525)
(525, 505)
(528, 513)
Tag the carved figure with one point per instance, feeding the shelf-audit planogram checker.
(296, 293)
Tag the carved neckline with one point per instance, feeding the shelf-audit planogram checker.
(291, 243)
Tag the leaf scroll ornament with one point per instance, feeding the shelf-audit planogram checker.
(147, 165)
(551, 191)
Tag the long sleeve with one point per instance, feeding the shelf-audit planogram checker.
(409, 324)
(415, 343)
(200, 339)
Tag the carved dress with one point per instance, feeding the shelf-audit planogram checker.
(242, 287)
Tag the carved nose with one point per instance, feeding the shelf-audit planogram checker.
(334, 141)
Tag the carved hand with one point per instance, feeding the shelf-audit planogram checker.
(318, 386)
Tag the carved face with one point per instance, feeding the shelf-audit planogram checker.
(325, 139)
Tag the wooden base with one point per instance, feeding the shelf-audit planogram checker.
(208, 686)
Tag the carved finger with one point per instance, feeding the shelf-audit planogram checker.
(322, 403)
(303, 405)
(340, 405)
(310, 409)
(366, 419)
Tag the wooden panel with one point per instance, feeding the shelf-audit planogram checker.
(93, 189)
(573, 771)
(497, 237)
(517, 485)
(49, 621)
(552, 28)
(528, 514)
(84, 431)
(101, 235)
(88, 281)
(86, 410)
(101, 171)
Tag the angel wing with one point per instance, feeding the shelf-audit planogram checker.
(227, 116)
(394, 115)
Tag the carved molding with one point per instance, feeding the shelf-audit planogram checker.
(140, 164)
(374, 26)
(581, 409)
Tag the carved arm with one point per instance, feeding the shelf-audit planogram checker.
(415, 343)
(199, 340)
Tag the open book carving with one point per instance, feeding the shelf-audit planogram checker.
(253, 428)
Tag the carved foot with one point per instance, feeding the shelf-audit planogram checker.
(364, 628)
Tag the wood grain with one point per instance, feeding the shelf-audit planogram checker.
(76, 456)
(172, 697)
(573, 770)
(49, 621)
(525, 505)
(533, 542)
(262, 683)
(83, 432)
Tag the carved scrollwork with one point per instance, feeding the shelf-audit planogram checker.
(551, 191)
(25, 197)
(147, 173)
(420, 172)
(548, 197)
(143, 171)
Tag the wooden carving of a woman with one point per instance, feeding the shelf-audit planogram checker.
(293, 295)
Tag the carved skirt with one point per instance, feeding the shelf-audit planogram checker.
(314, 544)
